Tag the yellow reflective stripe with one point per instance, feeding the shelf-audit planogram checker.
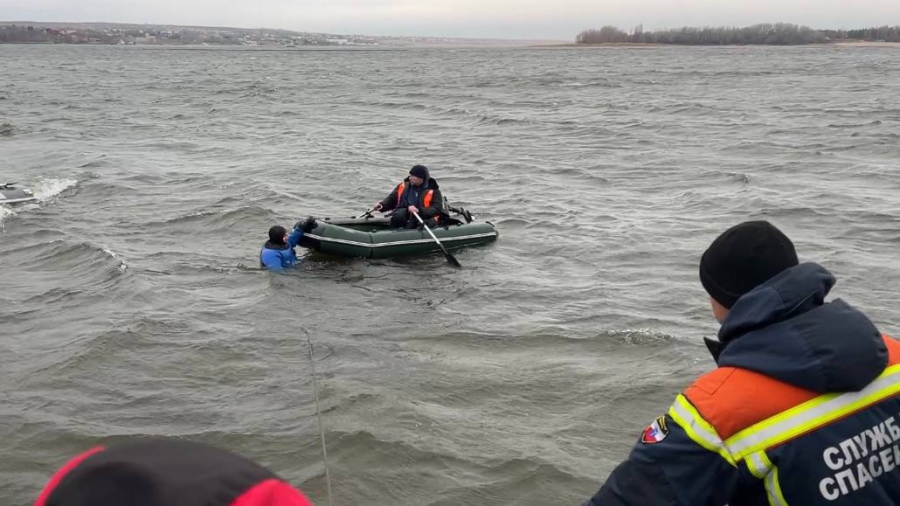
(759, 464)
(773, 489)
(684, 407)
(698, 429)
(785, 415)
(811, 415)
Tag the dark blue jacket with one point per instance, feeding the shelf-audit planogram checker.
(276, 257)
(416, 196)
(802, 411)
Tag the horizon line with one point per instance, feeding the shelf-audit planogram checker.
(453, 37)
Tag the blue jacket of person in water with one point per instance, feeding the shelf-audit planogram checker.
(278, 252)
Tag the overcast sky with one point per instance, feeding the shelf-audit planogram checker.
(532, 19)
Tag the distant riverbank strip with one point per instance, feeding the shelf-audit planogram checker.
(778, 34)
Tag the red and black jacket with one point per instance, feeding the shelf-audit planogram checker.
(166, 472)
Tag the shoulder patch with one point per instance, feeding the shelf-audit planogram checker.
(656, 431)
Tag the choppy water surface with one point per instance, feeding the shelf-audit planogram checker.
(130, 301)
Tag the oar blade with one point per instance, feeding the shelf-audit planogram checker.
(450, 258)
(453, 261)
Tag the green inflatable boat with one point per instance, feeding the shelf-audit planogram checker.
(372, 237)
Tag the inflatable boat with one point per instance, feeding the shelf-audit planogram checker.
(372, 237)
(12, 194)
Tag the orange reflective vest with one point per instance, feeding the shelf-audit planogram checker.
(426, 200)
(745, 416)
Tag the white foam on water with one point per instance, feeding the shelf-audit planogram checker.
(44, 189)
(122, 265)
(5, 212)
(47, 188)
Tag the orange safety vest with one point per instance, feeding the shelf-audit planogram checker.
(743, 415)
(426, 201)
(733, 399)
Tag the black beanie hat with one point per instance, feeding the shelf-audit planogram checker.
(420, 171)
(276, 234)
(744, 257)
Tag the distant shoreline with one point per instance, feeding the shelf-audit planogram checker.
(761, 34)
(648, 45)
(32, 32)
(274, 48)
(474, 45)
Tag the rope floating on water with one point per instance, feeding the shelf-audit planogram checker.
(312, 363)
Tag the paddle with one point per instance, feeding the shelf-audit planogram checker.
(367, 213)
(450, 258)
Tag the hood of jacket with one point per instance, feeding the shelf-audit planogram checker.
(785, 330)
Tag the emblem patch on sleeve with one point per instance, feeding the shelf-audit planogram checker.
(656, 431)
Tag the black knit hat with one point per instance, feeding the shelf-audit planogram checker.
(276, 234)
(419, 171)
(744, 257)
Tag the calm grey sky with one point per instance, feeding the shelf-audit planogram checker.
(532, 19)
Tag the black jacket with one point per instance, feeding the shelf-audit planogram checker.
(166, 472)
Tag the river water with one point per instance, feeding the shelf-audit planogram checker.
(131, 303)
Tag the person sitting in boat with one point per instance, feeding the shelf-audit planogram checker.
(278, 253)
(418, 193)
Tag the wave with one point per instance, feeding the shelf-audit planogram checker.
(688, 108)
(586, 173)
(6, 212)
(6, 129)
(479, 118)
(48, 188)
(472, 479)
(724, 176)
(257, 88)
(44, 190)
(514, 222)
(550, 337)
(576, 130)
(347, 443)
(93, 348)
(738, 177)
(55, 296)
(495, 121)
(97, 162)
(538, 480)
(410, 106)
(589, 84)
(855, 125)
(122, 265)
(80, 255)
(91, 273)
(637, 337)
(228, 217)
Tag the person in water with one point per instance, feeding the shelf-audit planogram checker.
(803, 407)
(278, 253)
(166, 472)
(418, 193)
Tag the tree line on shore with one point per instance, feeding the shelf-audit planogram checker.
(772, 34)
